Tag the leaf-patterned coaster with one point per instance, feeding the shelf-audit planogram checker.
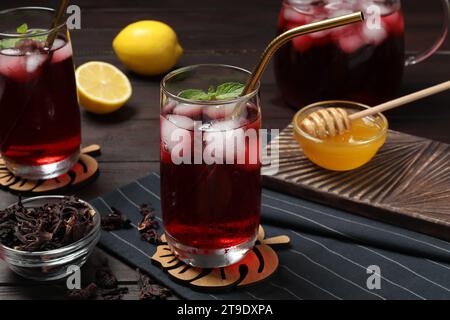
(257, 265)
(84, 171)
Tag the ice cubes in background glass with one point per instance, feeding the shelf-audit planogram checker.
(10, 64)
(373, 35)
(319, 34)
(23, 63)
(334, 5)
(298, 15)
(341, 12)
(34, 61)
(381, 7)
(350, 43)
(303, 43)
(14, 66)
(61, 51)
(11, 52)
(58, 44)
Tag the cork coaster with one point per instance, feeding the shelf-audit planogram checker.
(83, 172)
(258, 264)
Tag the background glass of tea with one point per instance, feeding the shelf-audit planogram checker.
(362, 62)
(210, 211)
(40, 128)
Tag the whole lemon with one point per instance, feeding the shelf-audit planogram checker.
(148, 47)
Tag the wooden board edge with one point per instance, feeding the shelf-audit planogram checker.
(382, 214)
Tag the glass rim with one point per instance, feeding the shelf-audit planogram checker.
(178, 71)
(40, 33)
(64, 249)
(349, 104)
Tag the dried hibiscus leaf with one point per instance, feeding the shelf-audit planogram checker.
(114, 294)
(47, 227)
(90, 292)
(148, 222)
(115, 220)
(151, 236)
(151, 291)
(148, 226)
(105, 279)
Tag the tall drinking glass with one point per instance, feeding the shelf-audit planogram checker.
(40, 129)
(210, 167)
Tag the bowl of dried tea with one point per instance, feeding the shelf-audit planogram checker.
(44, 238)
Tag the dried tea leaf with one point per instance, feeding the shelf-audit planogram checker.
(148, 226)
(114, 294)
(47, 227)
(115, 220)
(104, 278)
(151, 291)
(90, 292)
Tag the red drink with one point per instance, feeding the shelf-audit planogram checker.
(210, 204)
(40, 122)
(362, 62)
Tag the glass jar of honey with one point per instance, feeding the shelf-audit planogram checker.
(347, 151)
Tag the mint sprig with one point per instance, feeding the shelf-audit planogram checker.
(8, 43)
(225, 91)
(194, 94)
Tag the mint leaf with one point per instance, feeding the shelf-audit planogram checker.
(194, 94)
(8, 43)
(211, 93)
(23, 28)
(225, 91)
(229, 90)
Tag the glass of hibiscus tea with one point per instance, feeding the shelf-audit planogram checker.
(210, 148)
(40, 127)
(210, 164)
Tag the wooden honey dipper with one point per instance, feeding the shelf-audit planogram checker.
(333, 121)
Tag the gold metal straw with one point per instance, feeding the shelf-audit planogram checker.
(57, 20)
(288, 35)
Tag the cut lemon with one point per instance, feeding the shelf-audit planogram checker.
(102, 88)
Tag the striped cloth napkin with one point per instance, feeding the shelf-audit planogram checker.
(328, 258)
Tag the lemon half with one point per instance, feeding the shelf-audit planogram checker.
(102, 88)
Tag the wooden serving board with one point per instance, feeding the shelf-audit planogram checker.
(407, 183)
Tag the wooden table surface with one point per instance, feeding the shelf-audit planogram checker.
(231, 32)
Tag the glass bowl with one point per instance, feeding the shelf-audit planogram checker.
(342, 153)
(51, 264)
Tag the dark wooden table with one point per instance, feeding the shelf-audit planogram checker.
(231, 32)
